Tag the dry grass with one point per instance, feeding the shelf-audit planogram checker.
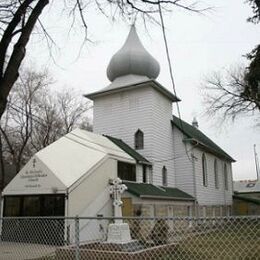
(228, 243)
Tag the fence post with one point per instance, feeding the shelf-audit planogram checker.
(77, 249)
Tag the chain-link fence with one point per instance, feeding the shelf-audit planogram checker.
(151, 238)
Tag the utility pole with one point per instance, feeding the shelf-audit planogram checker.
(256, 163)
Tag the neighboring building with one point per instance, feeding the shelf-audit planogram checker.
(246, 198)
(138, 110)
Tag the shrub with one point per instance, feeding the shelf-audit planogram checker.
(160, 232)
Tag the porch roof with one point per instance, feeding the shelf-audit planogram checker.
(150, 191)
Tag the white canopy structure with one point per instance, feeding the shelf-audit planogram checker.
(78, 165)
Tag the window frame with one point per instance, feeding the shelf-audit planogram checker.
(216, 174)
(164, 176)
(204, 170)
(126, 171)
(144, 172)
(225, 172)
(139, 140)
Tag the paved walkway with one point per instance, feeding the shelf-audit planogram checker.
(24, 251)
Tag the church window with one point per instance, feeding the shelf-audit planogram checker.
(216, 174)
(204, 170)
(126, 171)
(164, 176)
(139, 140)
(225, 176)
(144, 174)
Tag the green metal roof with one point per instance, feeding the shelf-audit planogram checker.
(196, 136)
(150, 191)
(254, 200)
(125, 147)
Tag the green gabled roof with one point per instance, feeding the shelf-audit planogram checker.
(150, 191)
(196, 136)
(254, 200)
(125, 147)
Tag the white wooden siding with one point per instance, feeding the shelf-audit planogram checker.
(122, 114)
(139, 173)
(210, 195)
(183, 163)
(185, 181)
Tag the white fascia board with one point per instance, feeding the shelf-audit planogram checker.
(127, 159)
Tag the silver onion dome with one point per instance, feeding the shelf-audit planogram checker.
(132, 58)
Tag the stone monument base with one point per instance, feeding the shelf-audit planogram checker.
(118, 233)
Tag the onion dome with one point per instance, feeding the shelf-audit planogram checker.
(132, 58)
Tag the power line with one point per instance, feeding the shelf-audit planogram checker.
(171, 72)
(37, 118)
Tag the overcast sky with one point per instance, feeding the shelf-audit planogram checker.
(199, 45)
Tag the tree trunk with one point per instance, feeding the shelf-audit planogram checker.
(11, 72)
(2, 105)
(2, 168)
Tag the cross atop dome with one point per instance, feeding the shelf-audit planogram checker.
(133, 59)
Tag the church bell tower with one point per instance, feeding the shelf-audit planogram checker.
(136, 108)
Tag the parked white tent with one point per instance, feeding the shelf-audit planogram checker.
(78, 165)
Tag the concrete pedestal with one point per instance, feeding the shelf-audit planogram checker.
(118, 233)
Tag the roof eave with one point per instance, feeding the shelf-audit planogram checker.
(153, 83)
(191, 139)
(164, 197)
(252, 200)
(144, 162)
(165, 91)
(140, 160)
(194, 141)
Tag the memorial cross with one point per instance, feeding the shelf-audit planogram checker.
(116, 189)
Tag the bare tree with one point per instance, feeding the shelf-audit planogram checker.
(17, 123)
(36, 116)
(18, 18)
(59, 113)
(255, 4)
(237, 91)
(230, 94)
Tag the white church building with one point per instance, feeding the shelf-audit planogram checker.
(138, 110)
(169, 166)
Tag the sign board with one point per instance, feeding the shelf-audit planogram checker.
(34, 178)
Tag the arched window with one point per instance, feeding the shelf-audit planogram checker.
(164, 176)
(144, 174)
(139, 140)
(216, 174)
(225, 176)
(204, 170)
